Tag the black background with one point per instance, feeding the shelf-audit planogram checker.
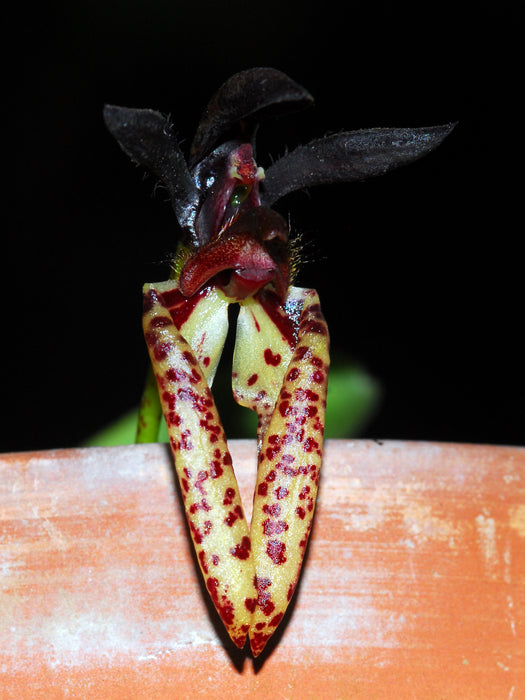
(419, 272)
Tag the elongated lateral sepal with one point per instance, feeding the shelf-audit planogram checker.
(203, 464)
(291, 447)
(265, 339)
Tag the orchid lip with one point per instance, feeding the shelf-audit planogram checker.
(254, 274)
(242, 259)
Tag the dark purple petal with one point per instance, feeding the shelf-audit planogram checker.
(147, 137)
(349, 156)
(249, 97)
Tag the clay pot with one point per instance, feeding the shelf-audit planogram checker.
(413, 587)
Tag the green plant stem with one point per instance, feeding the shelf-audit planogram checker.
(150, 412)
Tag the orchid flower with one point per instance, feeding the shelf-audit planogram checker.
(235, 248)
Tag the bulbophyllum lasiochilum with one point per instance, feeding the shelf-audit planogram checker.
(235, 248)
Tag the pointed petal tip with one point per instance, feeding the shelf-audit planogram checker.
(115, 113)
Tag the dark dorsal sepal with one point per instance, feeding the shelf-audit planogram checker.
(146, 136)
(349, 156)
(243, 100)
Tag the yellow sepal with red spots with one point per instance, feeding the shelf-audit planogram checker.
(265, 337)
(290, 445)
(203, 463)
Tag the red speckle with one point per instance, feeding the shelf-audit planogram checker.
(272, 359)
(185, 485)
(304, 491)
(151, 338)
(281, 492)
(274, 439)
(258, 642)
(215, 559)
(233, 515)
(195, 377)
(266, 605)
(185, 442)
(313, 327)
(242, 550)
(227, 459)
(310, 411)
(271, 476)
(274, 510)
(272, 306)
(262, 489)
(228, 497)
(169, 399)
(215, 470)
(256, 323)
(276, 551)
(291, 589)
(275, 620)
(284, 408)
(201, 477)
(227, 614)
(241, 640)
(301, 352)
(293, 374)
(310, 445)
(250, 604)
(212, 584)
(261, 584)
(274, 527)
(149, 300)
(198, 536)
(271, 452)
(263, 598)
(318, 377)
(174, 419)
(202, 559)
(161, 350)
(316, 362)
(306, 395)
(300, 512)
(188, 356)
(289, 471)
(203, 505)
(260, 626)
(299, 436)
(251, 380)
(206, 361)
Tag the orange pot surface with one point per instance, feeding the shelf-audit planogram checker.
(413, 587)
